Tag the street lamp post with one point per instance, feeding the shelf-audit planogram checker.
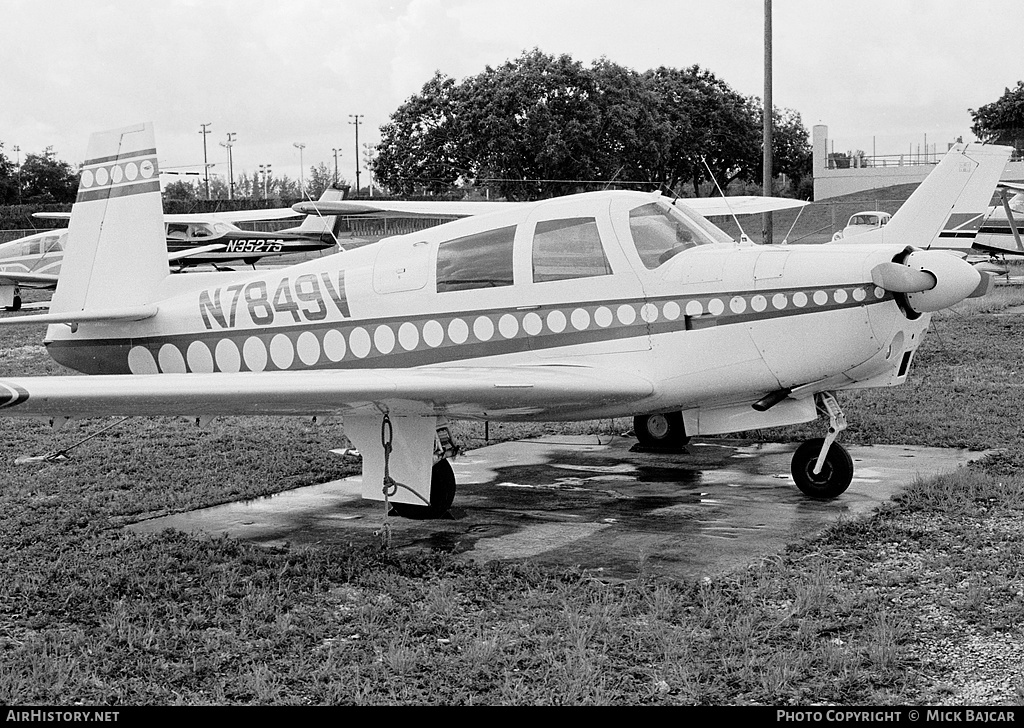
(336, 153)
(206, 166)
(302, 185)
(357, 117)
(17, 150)
(231, 170)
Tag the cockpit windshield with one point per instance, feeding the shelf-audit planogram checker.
(661, 231)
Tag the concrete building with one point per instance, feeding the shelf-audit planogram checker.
(867, 173)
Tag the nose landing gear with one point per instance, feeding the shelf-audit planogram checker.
(822, 468)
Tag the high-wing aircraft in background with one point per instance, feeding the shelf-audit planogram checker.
(595, 305)
(214, 238)
(985, 232)
(192, 240)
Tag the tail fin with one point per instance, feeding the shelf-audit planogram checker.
(964, 181)
(329, 226)
(116, 252)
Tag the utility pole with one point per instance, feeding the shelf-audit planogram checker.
(231, 170)
(336, 153)
(302, 185)
(357, 117)
(767, 236)
(206, 165)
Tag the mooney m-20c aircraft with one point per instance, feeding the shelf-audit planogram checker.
(595, 305)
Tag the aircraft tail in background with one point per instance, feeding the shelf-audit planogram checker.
(962, 183)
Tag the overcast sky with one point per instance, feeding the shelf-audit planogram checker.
(883, 75)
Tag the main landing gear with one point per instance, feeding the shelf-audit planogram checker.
(822, 468)
(660, 431)
(442, 495)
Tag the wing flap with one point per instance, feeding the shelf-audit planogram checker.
(528, 392)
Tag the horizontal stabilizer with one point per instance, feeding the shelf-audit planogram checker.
(38, 279)
(82, 317)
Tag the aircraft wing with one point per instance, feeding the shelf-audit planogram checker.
(455, 391)
(401, 209)
(738, 205)
(232, 216)
(199, 250)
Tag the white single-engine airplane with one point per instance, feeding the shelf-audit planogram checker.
(595, 305)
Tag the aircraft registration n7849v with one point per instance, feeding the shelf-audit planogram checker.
(595, 305)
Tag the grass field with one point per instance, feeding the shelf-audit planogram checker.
(920, 604)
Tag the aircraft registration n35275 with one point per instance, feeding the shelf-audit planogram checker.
(601, 304)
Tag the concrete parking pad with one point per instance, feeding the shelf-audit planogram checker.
(593, 502)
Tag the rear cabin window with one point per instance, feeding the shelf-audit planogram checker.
(483, 260)
(569, 248)
(660, 233)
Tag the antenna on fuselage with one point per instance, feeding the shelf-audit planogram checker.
(743, 235)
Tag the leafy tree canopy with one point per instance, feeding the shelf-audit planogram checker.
(1002, 121)
(544, 125)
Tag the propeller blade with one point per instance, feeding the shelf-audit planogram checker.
(901, 279)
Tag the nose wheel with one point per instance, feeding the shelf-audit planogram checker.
(822, 468)
(834, 476)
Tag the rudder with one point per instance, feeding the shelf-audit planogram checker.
(116, 251)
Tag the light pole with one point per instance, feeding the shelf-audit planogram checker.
(302, 185)
(357, 117)
(231, 171)
(206, 167)
(17, 150)
(336, 153)
(265, 173)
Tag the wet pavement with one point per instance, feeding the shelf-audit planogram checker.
(595, 503)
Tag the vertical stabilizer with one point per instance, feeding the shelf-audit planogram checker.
(964, 181)
(324, 226)
(116, 251)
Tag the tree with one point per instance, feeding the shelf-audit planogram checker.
(8, 180)
(419, 148)
(320, 178)
(543, 125)
(45, 179)
(1002, 121)
(180, 191)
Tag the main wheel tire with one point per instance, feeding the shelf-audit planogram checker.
(661, 431)
(836, 473)
(15, 305)
(442, 495)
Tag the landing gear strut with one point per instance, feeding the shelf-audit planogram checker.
(822, 468)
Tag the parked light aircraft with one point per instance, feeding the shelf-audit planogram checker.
(214, 238)
(595, 305)
(192, 240)
(979, 233)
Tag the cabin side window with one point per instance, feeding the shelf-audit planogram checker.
(483, 260)
(569, 248)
